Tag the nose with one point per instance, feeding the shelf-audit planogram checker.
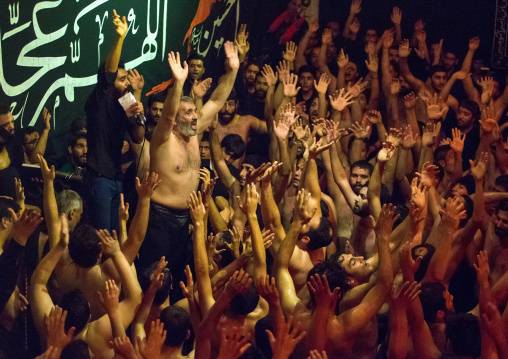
(227, 158)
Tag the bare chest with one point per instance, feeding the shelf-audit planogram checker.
(239, 128)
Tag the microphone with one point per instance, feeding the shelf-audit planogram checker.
(140, 119)
(128, 100)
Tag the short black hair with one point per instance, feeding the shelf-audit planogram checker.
(433, 300)
(74, 137)
(28, 130)
(424, 264)
(502, 206)
(463, 331)
(321, 236)
(335, 274)
(79, 124)
(472, 107)
(366, 165)
(78, 310)
(436, 68)
(243, 304)
(502, 181)
(76, 349)
(234, 144)
(205, 137)
(84, 246)
(254, 160)
(145, 279)
(195, 56)
(5, 204)
(232, 96)
(468, 182)
(440, 153)
(4, 108)
(177, 325)
(307, 68)
(156, 97)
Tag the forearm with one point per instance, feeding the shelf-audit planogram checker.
(385, 269)
(288, 245)
(216, 220)
(258, 248)
(40, 148)
(117, 327)
(223, 275)
(137, 230)
(442, 239)
(51, 213)
(347, 32)
(300, 51)
(321, 105)
(47, 265)
(130, 284)
(357, 149)
(397, 347)
(501, 156)
(388, 174)
(172, 104)
(445, 92)
(111, 64)
(268, 110)
(400, 171)
(219, 164)
(374, 91)
(341, 78)
(311, 183)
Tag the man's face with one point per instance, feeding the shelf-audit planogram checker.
(227, 111)
(121, 83)
(359, 178)
(243, 173)
(30, 141)
(356, 267)
(187, 119)
(459, 190)
(501, 223)
(314, 58)
(295, 5)
(204, 150)
(228, 156)
(477, 65)
(438, 80)
(154, 112)
(495, 91)
(78, 152)
(393, 55)
(449, 162)
(306, 81)
(449, 61)
(250, 74)
(335, 27)
(261, 87)
(7, 122)
(314, 110)
(196, 69)
(76, 218)
(371, 36)
(464, 118)
(351, 72)
(298, 172)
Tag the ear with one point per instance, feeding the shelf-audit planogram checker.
(69, 149)
(350, 282)
(70, 216)
(305, 239)
(441, 163)
(4, 222)
(440, 316)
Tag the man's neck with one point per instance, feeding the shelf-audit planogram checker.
(4, 237)
(171, 352)
(307, 95)
(180, 135)
(466, 129)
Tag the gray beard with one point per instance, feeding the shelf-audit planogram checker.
(185, 128)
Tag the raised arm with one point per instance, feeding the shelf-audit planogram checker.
(121, 28)
(302, 46)
(40, 147)
(356, 7)
(218, 161)
(404, 51)
(49, 202)
(221, 93)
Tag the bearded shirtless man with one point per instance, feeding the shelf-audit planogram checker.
(174, 151)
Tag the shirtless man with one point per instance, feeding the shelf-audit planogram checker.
(174, 152)
(231, 122)
(496, 243)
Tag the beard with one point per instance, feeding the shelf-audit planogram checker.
(226, 117)
(186, 129)
(356, 188)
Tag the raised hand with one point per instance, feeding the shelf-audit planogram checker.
(285, 339)
(48, 174)
(313, 26)
(239, 283)
(408, 140)
(404, 49)
(267, 289)
(148, 186)
(487, 85)
(395, 86)
(120, 25)
(356, 7)
(254, 175)
(430, 132)
(341, 99)
(137, 81)
(197, 208)
(342, 59)
(419, 25)
(474, 43)
(405, 295)
(188, 290)
(320, 289)
(109, 242)
(489, 123)
(241, 41)
(461, 75)
(315, 148)
(302, 211)
(290, 53)
(123, 347)
(386, 152)
(385, 221)
(452, 213)
(158, 276)
(410, 100)
(333, 132)
(199, 89)
(55, 329)
(436, 107)
(20, 193)
(269, 76)
(408, 265)
(266, 177)
(314, 354)
(372, 63)
(24, 226)
(395, 136)
(360, 129)
(418, 193)
(324, 81)
(479, 168)
(396, 16)
(109, 299)
(428, 175)
(179, 72)
(152, 348)
(232, 55)
(251, 200)
(326, 37)
(288, 114)
(301, 132)
(290, 82)
(233, 343)
(387, 39)
(457, 142)
(284, 69)
(123, 209)
(482, 269)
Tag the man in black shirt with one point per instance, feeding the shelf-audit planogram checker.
(107, 124)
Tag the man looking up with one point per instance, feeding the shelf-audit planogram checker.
(107, 123)
(174, 152)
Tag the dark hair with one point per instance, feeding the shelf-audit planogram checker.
(472, 107)
(4, 109)
(156, 97)
(76, 349)
(385, 197)
(78, 310)
(433, 300)
(256, 63)
(227, 257)
(440, 153)
(321, 236)
(469, 207)
(307, 68)
(84, 246)
(234, 144)
(502, 181)
(205, 137)
(243, 304)
(177, 324)
(502, 206)
(195, 56)
(335, 274)
(436, 68)
(261, 337)
(363, 165)
(75, 136)
(78, 124)
(232, 96)
(145, 279)
(422, 269)
(28, 130)
(463, 331)
(468, 182)
(5, 204)
(254, 160)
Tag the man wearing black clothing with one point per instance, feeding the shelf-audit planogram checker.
(107, 124)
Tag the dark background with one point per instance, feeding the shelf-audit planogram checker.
(455, 21)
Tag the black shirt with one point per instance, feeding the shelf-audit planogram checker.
(107, 123)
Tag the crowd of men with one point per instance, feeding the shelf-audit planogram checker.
(351, 203)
